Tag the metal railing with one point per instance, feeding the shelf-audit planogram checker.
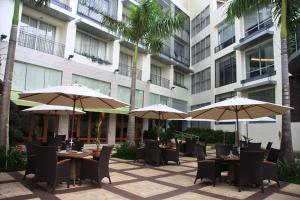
(158, 80)
(126, 70)
(267, 23)
(184, 35)
(294, 42)
(225, 44)
(61, 4)
(181, 59)
(92, 13)
(267, 70)
(40, 44)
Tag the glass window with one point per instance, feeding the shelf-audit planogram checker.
(200, 21)
(224, 96)
(154, 99)
(97, 85)
(260, 61)
(178, 79)
(201, 81)
(201, 50)
(124, 95)
(226, 32)
(267, 95)
(226, 70)
(179, 105)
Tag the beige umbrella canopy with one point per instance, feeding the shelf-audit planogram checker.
(72, 95)
(53, 110)
(238, 108)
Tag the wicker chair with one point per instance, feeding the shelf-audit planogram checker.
(206, 168)
(269, 145)
(31, 158)
(48, 169)
(96, 170)
(140, 154)
(270, 166)
(152, 152)
(250, 168)
(172, 154)
(253, 146)
(78, 144)
(222, 150)
(190, 147)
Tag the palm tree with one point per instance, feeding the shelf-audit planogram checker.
(282, 10)
(149, 23)
(5, 98)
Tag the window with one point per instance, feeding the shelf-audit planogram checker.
(97, 85)
(90, 46)
(201, 50)
(156, 77)
(153, 99)
(178, 79)
(179, 105)
(260, 61)
(226, 70)
(257, 18)
(165, 100)
(226, 36)
(267, 95)
(200, 124)
(201, 81)
(30, 77)
(178, 50)
(124, 95)
(224, 96)
(200, 21)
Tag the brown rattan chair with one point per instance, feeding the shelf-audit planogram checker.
(190, 147)
(172, 154)
(31, 158)
(206, 168)
(269, 145)
(222, 150)
(253, 146)
(140, 154)
(270, 166)
(96, 170)
(152, 152)
(250, 169)
(48, 169)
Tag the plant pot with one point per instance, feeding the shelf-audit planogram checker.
(96, 152)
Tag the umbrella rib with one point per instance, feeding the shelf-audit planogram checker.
(57, 95)
(203, 112)
(81, 104)
(30, 95)
(178, 115)
(268, 109)
(106, 103)
(222, 114)
(245, 109)
(146, 113)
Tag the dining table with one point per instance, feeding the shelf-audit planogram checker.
(232, 161)
(75, 157)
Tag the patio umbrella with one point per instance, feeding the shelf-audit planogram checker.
(72, 95)
(54, 110)
(238, 108)
(158, 111)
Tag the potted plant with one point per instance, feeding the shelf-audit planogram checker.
(96, 152)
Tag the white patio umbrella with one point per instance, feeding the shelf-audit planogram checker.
(53, 110)
(72, 95)
(238, 108)
(158, 111)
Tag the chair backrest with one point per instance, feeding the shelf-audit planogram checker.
(51, 141)
(177, 145)
(46, 161)
(190, 146)
(273, 155)
(254, 146)
(251, 166)
(104, 158)
(78, 144)
(269, 145)
(31, 148)
(199, 151)
(223, 150)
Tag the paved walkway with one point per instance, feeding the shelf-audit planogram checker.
(132, 180)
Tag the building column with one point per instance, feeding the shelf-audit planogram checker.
(112, 129)
(63, 126)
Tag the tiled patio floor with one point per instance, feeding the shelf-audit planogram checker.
(132, 180)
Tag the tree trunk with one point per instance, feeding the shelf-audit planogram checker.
(131, 119)
(286, 140)
(5, 99)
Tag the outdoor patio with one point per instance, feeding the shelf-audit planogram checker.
(131, 180)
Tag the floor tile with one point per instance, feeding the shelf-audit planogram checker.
(292, 188)
(190, 196)
(175, 168)
(6, 177)
(147, 172)
(145, 188)
(122, 166)
(117, 177)
(277, 196)
(178, 180)
(12, 190)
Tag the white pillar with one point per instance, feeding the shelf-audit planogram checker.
(112, 129)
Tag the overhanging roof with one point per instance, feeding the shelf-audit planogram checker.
(251, 86)
(255, 39)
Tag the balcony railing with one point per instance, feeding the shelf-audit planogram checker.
(126, 70)
(184, 35)
(262, 71)
(181, 59)
(157, 80)
(93, 13)
(294, 42)
(225, 44)
(61, 4)
(267, 23)
(40, 44)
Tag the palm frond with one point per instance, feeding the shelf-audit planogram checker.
(121, 28)
(236, 8)
(154, 44)
(40, 3)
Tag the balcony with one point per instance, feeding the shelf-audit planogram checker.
(255, 35)
(35, 42)
(260, 73)
(160, 81)
(62, 4)
(184, 35)
(126, 71)
(225, 44)
(181, 59)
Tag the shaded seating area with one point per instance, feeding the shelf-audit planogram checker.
(172, 154)
(270, 166)
(153, 154)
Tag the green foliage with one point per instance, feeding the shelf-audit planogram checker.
(211, 136)
(287, 174)
(15, 160)
(125, 151)
(15, 121)
(149, 135)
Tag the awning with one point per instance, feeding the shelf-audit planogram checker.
(123, 111)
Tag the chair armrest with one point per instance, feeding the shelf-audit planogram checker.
(63, 162)
(88, 164)
(206, 163)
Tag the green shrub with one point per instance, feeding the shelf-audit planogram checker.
(287, 174)
(15, 160)
(125, 151)
(212, 136)
(149, 135)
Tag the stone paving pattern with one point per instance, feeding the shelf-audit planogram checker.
(133, 180)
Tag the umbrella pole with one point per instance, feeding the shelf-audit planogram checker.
(73, 119)
(237, 137)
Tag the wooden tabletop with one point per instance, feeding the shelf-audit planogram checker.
(73, 154)
(229, 158)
